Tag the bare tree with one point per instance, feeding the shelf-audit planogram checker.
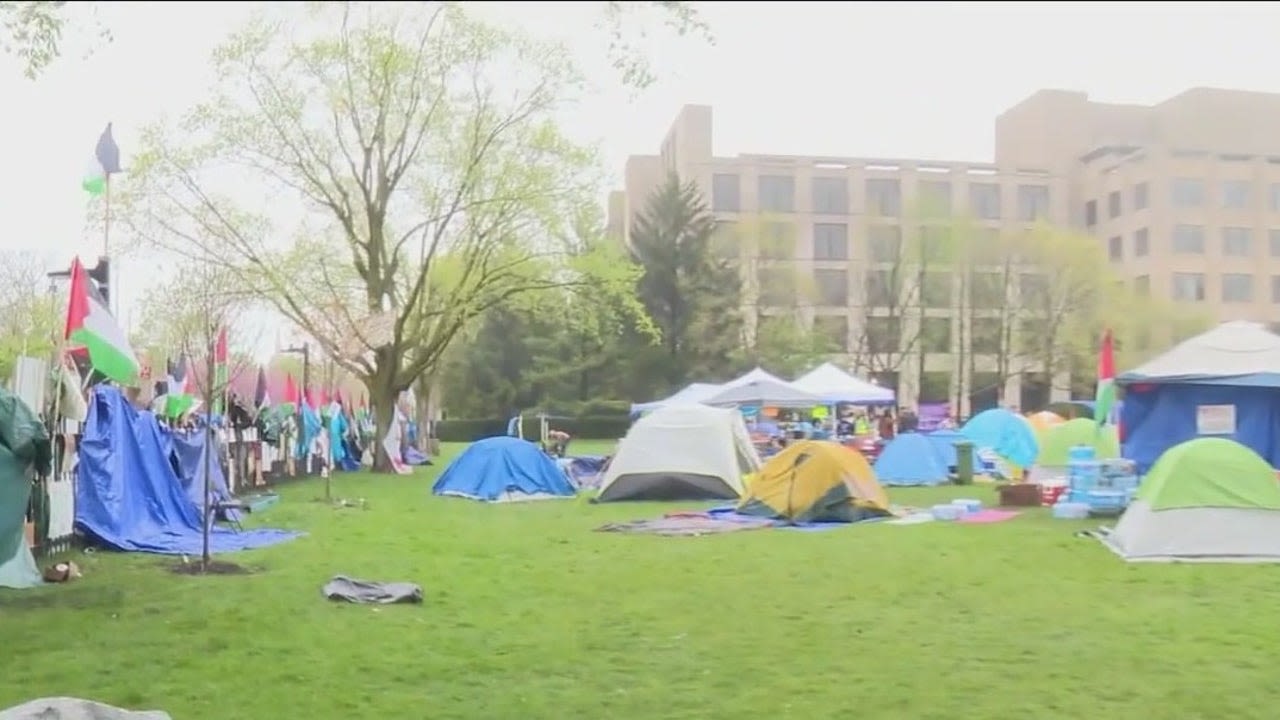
(28, 313)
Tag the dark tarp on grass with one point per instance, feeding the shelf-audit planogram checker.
(128, 496)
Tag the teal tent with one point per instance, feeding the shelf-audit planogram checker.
(24, 451)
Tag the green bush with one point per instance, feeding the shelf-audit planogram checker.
(584, 427)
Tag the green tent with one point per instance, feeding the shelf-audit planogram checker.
(1057, 441)
(24, 451)
(1205, 500)
(1210, 473)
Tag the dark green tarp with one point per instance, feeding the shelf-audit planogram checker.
(24, 451)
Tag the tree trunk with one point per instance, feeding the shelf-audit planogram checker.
(383, 399)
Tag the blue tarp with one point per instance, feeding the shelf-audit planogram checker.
(1005, 433)
(910, 459)
(128, 495)
(1157, 417)
(495, 467)
(189, 450)
(944, 442)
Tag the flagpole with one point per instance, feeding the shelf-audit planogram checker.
(106, 243)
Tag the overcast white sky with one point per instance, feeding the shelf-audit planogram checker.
(888, 79)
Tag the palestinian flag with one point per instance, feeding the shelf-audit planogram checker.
(90, 323)
(181, 398)
(1106, 396)
(105, 163)
(221, 372)
(289, 403)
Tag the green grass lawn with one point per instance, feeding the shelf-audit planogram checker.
(530, 614)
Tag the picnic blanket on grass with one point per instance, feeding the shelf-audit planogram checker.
(715, 521)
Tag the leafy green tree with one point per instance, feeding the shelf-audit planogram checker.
(692, 295)
(34, 32)
(418, 194)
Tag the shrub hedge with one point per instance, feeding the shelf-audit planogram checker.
(582, 427)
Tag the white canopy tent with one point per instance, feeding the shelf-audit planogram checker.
(693, 394)
(834, 385)
(760, 387)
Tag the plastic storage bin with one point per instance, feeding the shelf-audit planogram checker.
(1107, 502)
(946, 512)
(1079, 453)
(1070, 511)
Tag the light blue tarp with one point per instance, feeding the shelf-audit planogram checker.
(128, 494)
(1156, 417)
(910, 459)
(944, 442)
(1005, 433)
(498, 467)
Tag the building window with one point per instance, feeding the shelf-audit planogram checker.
(1275, 289)
(884, 335)
(935, 289)
(1273, 197)
(777, 241)
(1114, 206)
(935, 196)
(833, 286)
(1235, 194)
(884, 197)
(1273, 242)
(984, 201)
(885, 243)
(1188, 239)
(1237, 288)
(777, 193)
(1142, 285)
(724, 241)
(935, 334)
(1188, 193)
(1033, 288)
(881, 290)
(935, 386)
(1033, 202)
(830, 241)
(726, 193)
(834, 329)
(1188, 287)
(1115, 248)
(1091, 213)
(986, 336)
(1141, 242)
(1141, 196)
(1236, 242)
(987, 290)
(831, 196)
(777, 286)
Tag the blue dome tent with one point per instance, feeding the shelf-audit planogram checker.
(499, 469)
(1004, 433)
(910, 459)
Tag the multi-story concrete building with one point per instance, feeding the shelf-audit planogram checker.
(1185, 195)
